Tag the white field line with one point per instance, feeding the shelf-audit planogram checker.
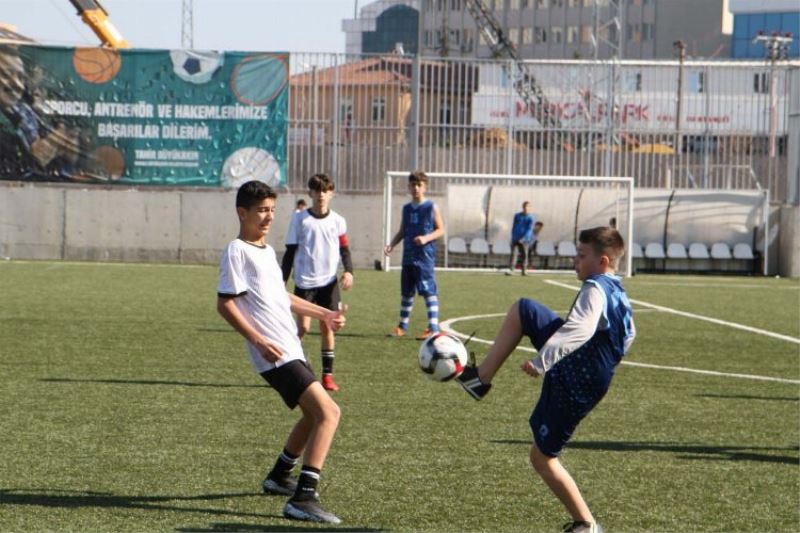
(734, 325)
(447, 327)
(717, 285)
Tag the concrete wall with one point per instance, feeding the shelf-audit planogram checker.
(73, 222)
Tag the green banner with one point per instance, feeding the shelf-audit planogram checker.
(143, 117)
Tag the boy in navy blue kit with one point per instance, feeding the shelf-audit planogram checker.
(419, 229)
(577, 357)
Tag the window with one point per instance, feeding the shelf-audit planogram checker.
(455, 5)
(514, 4)
(527, 35)
(633, 32)
(455, 37)
(513, 35)
(468, 40)
(345, 108)
(557, 3)
(647, 32)
(540, 35)
(697, 82)
(586, 33)
(572, 34)
(761, 83)
(542, 4)
(557, 35)
(633, 81)
(378, 109)
(573, 3)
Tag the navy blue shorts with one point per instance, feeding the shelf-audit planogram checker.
(560, 407)
(419, 279)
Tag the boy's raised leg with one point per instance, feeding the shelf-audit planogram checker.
(476, 380)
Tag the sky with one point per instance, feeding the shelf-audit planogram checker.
(253, 25)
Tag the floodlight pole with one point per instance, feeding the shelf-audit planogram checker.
(187, 25)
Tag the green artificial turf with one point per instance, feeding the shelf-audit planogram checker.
(130, 405)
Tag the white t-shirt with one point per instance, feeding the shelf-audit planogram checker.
(318, 241)
(252, 274)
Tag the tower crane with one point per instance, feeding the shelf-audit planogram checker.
(96, 17)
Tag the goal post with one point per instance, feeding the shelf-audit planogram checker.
(478, 210)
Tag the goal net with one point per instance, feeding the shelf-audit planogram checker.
(478, 212)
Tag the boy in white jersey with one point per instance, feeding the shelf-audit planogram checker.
(577, 358)
(253, 299)
(316, 239)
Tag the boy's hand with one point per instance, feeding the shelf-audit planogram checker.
(420, 240)
(387, 250)
(335, 319)
(269, 351)
(529, 369)
(347, 281)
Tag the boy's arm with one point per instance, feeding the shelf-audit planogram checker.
(347, 262)
(288, 261)
(396, 239)
(580, 326)
(227, 308)
(334, 319)
(438, 229)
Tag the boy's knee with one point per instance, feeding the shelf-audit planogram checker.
(539, 461)
(331, 413)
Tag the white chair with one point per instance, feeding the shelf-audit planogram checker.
(676, 250)
(698, 250)
(567, 249)
(478, 245)
(720, 250)
(654, 250)
(546, 249)
(501, 247)
(457, 245)
(743, 251)
(636, 251)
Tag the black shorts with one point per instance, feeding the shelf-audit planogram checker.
(290, 380)
(327, 296)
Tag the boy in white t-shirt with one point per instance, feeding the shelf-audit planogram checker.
(253, 299)
(316, 240)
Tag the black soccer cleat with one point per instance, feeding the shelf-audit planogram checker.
(283, 486)
(309, 510)
(471, 383)
(580, 526)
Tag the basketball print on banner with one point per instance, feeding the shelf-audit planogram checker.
(96, 65)
(108, 162)
(258, 80)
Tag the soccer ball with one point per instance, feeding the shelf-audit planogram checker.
(196, 66)
(442, 357)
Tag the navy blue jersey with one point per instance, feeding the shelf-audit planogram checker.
(418, 220)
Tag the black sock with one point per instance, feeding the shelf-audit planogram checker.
(307, 483)
(284, 465)
(327, 361)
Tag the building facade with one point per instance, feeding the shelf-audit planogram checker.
(754, 17)
(549, 29)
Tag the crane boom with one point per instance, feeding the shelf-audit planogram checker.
(96, 17)
(526, 85)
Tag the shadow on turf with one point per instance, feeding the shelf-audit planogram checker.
(151, 382)
(216, 527)
(718, 453)
(749, 397)
(74, 499)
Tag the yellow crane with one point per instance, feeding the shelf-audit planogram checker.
(96, 17)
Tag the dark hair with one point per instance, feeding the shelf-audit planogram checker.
(526, 202)
(417, 176)
(300, 202)
(604, 240)
(321, 183)
(252, 193)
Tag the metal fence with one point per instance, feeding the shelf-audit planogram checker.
(665, 123)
